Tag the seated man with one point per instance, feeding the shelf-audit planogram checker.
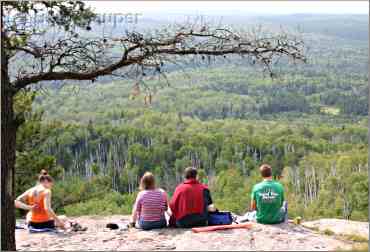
(191, 202)
(268, 199)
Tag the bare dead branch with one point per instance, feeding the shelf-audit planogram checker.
(77, 58)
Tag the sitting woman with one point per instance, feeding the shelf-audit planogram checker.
(150, 206)
(38, 201)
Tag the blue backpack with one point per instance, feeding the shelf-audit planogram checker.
(219, 218)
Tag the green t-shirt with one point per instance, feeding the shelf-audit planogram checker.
(269, 197)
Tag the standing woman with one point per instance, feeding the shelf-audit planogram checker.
(38, 201)
(150, 206)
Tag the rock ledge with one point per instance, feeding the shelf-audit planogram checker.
(280, 237)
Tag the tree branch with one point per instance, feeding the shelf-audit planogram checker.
(49, 76)
(88, 57)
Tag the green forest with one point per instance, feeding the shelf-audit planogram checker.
(225, 118)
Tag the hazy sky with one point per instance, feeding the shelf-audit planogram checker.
(231, 7)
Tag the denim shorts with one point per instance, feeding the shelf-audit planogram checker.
(147, 225)
(42, 225)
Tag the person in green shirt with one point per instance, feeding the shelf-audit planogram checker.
(268, 199)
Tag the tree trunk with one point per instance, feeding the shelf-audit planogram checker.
(8, 140)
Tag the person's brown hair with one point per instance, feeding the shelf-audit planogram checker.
(44, 176)
(266, 170)
(147, 181)
(190, 173)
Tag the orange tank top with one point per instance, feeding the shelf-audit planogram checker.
(39, 214)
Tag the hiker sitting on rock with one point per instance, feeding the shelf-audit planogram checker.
(150, 206)
(38, 201)
(268, 199)
(191, 202)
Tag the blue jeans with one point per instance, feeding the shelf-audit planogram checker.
(284, 210)
(192, 220)
(147, 225)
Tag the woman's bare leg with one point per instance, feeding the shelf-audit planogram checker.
(63, 222)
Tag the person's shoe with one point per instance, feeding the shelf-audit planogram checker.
(112, 226)
(131, 225)
(77, 227)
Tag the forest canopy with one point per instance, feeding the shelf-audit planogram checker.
(225, 118)
(98, 105)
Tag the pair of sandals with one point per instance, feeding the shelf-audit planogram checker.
(75, 227)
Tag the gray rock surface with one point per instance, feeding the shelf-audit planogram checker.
(284, 237)
(340, 226)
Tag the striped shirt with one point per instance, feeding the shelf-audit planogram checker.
(151, 205)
